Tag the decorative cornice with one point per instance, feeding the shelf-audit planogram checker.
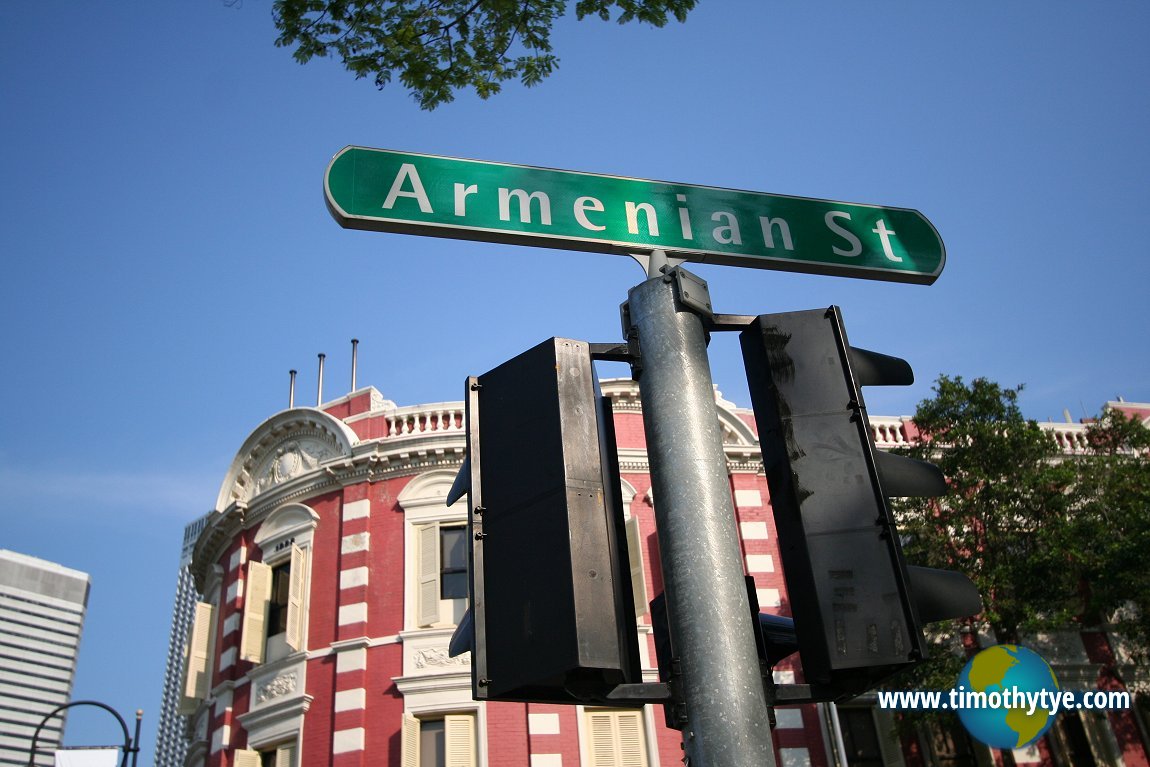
(217, 535)
(302, 453)
(284, 447)
(412, 685)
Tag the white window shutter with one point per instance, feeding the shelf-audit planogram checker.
(427, 596)
(297, 599)
(459, 740)
(409, 742)
(198, 658)
(285, 755)
(246, 758)
(259, 593)
(616, 739)
(635, 558)
(601, 733)
(632, 748)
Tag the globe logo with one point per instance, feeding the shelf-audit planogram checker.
(1003, 673)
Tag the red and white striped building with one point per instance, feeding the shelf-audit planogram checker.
(330, 579)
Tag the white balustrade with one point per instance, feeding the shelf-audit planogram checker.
(425, 419)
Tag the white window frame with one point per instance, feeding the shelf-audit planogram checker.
(590, 719)
(285, 756)
(285, 536)
(882, 720)
(461, 744)
(423, 501)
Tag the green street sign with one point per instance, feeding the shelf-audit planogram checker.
(386, 191)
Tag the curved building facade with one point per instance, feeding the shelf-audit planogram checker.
(332, 575)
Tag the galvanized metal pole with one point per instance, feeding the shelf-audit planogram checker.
(709, 612)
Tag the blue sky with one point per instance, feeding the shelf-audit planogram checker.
(168, 256)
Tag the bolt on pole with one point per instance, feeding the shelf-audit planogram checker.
(709, 614)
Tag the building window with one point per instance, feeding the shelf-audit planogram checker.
(198, 658)
(860, 737)
(280, 598)
(950, 746)
(274, 607)
(615, 738)
(283, 755)
(1085, 738)
(442, 562)
(435, 552)
(447, 741)
(453, 562)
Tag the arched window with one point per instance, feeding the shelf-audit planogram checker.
(436, 549)
(276, 592)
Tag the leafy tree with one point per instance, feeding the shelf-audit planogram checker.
(440, 46)
(1008, 495)
(1053, 541)
(1108, 535)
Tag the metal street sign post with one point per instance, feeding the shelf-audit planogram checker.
(722, 689)
(388, 191)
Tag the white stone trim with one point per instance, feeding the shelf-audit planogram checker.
(221, 738)
(543, 724)
(354, 613)
(769, 597)
(345, 645)
(748, 499)
(351, 660)
(789, 718)
(360, 509)
(355, 542)
(351, 700)
(754, 531)
(325, 437)
(760, 563)
(344, 741)
(228, 658)
(794, 757)
(356, 576)
(547, 760)
(291, 523)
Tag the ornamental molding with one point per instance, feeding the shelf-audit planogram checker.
(281, 685)
(289, 460)
(286, 447)
(437, 657)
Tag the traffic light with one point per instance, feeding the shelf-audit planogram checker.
(858, 609)
(774, 640)
(552, 612)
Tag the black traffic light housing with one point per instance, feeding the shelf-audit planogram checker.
(552, 612)
(858, 609)
(775, 639)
